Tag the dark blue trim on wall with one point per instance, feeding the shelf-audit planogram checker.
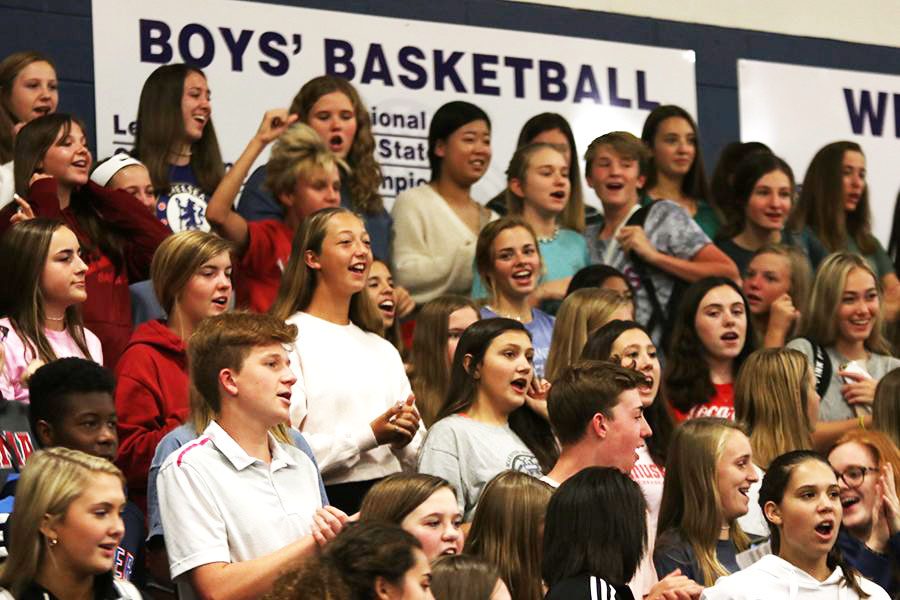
(62, 28)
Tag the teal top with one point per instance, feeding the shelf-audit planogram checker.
(563, 256)
(879, 260)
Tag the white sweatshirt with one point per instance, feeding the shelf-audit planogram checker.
(345, 379)
(773, 578)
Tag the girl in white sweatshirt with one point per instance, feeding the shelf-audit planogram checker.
(352, 400)
(800, 499)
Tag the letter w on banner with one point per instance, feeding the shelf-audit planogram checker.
(796, 110)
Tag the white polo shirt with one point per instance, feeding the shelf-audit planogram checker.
(219, 504)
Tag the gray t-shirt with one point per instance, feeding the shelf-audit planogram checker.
(468, 454)
(833, 407)
(672, 231)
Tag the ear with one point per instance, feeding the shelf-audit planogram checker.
(382, 588)
(772, 513)
(641, 180)
(311, 260)
(44, 432)
(467, 364)
(515, 186)
(599, 425)
(286, 199)
(228, 381)
(440, 148)
(48, 527)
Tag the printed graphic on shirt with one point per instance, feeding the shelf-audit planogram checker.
(124, 564)
(708, 410)
(524, 463)
(651, 473)
(184, 209)
(15, 448)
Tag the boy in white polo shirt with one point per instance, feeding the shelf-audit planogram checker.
(240, 504)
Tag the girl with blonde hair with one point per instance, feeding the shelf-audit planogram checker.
(583, 312)
(508, 259)
(191, 276)
(439, 325)
(362, 427)
(775, 398)
(66, 525)
(777, 282)
(709, 473)
(539, 191)
(845, 344)
(507, 531)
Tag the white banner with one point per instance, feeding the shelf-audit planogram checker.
(257, 56)
(796, 110)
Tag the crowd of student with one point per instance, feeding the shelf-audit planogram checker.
(693, 393)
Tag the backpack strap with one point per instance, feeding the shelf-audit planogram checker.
(821, 367)
(657, 314)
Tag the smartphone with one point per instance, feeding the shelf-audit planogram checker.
(854, 367)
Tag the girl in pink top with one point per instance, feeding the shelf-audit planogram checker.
(43, 285)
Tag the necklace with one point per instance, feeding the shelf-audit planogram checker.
(57, 319)
(504, 315)
(546, 240)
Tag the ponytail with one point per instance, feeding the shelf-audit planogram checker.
(851, 576)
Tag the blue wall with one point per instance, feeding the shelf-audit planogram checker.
(62, 28)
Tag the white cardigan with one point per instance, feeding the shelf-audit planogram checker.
(433, 250)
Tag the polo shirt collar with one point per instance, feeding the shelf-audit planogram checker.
(238, 457)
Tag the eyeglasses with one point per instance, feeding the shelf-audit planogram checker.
(854, 475)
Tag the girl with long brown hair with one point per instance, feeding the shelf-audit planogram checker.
(439, 326)
(117, 233)
(834, 204)
(44, 285)
(177, 142)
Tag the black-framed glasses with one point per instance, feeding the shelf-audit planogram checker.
(854, 475)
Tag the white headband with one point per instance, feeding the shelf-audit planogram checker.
(105, 170)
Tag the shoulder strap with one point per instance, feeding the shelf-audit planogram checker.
(640, 216)
(657, 315)
(821, 367)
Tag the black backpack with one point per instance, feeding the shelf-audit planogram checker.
(664, 317)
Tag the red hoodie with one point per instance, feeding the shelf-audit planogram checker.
(151, 400)
(107, 310)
